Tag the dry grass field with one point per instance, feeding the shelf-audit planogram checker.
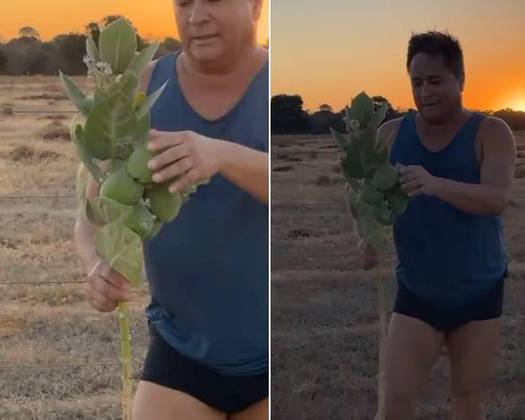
(58, 357)
(324, 316)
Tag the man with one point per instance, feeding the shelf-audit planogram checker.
(208, 269)
(457, 167)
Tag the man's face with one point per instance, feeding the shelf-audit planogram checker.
(213, 30)
(436, 90)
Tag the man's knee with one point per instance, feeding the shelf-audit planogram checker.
(468, 400)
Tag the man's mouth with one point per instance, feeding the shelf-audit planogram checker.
(204, 37)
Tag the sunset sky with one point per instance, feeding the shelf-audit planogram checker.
(328, 51)
(153, 18)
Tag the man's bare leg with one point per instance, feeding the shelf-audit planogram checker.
(473, 349)
(257, 411)
(412, 348)
(157, 402)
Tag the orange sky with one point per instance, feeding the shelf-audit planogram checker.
(334, 49)
(153, 18)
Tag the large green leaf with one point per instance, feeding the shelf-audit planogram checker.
(150, 101)
(117, 44)
(141, 60)
(83, 103)
(78, 137)
(362, 109)
(107, 209)
(128, 84)
(365, 142)
(81, 185)
(122, 248)
(92, 49)
(352, 163)
(92, 216)
(143, 128)
(110, 128)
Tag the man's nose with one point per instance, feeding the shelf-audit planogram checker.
(426, 90)
(198, 12)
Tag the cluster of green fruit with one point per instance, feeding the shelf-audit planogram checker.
(130, 184)
(374, 192)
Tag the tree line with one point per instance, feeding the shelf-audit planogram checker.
(29, 55)
(289, 117)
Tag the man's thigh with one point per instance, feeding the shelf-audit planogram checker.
(157, 402)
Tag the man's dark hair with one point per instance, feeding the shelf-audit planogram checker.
(438, 43)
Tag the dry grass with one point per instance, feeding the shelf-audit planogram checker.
(324, 317)
(58, 357)
(55, 130)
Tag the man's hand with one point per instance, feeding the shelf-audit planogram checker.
(183, 158)
(416, 180)
(106, 287)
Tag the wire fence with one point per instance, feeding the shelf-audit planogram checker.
(58, 365)
(41, 283)
(11, 110)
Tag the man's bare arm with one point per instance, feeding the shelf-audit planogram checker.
(497, 172)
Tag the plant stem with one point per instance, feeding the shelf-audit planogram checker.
(125, 357)
(382, 338)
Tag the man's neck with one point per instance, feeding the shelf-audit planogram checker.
(218, 72)
(452, 120)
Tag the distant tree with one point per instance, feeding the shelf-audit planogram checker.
(288, 116)
(29, 32)
(37, 63)
(391, 113)
(70, 50)
(325, 107)
(515, 119)
(3, 61)
(92, 29)
(171, 44)
(321, 121)
(168, 46)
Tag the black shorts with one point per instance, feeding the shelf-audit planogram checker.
(447, 319)
(230, 394)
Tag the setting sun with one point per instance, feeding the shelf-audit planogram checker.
(518, 105)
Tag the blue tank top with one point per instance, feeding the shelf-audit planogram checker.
(208, 269)
(446, 255)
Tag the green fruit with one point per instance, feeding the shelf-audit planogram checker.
(138, 164)
(385, 178)
(117, 164)
(371, 195)
(163, 204)
(397, 200)
(121, 187)
(140, 220)
(382, 214)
